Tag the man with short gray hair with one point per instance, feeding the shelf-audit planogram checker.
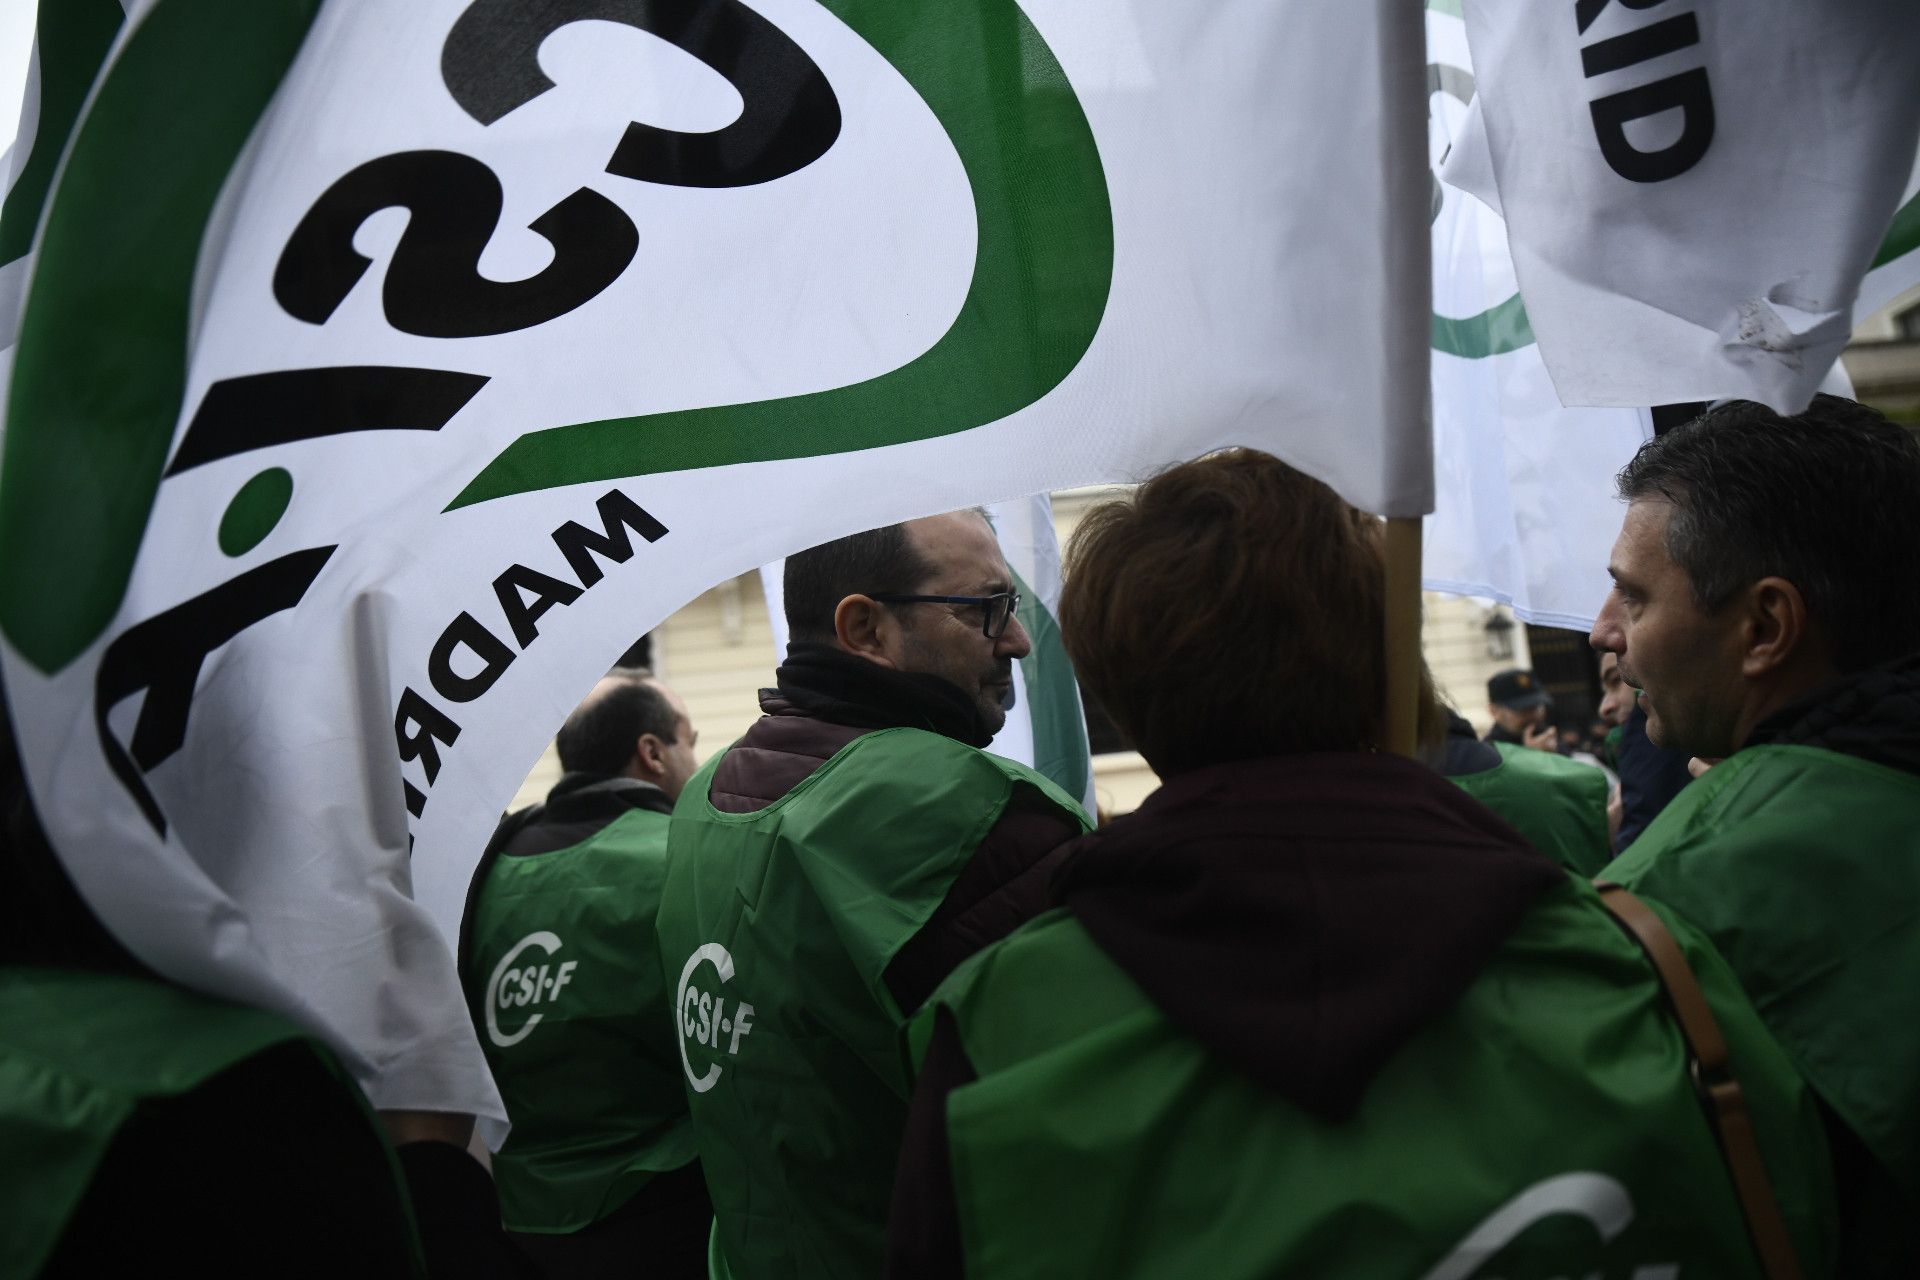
(1765, 604)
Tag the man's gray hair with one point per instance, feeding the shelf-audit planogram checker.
(1826, 499)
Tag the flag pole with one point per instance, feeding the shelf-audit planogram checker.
(1410, 250)
(1403, 635)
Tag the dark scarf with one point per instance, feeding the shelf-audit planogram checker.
(1872, 714)
(830, 684)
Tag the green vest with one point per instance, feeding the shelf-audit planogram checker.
(574, 1025)
(775, 929)
(1559, 805)
(82, 1053)
(1545, 1126)
(1803, 866)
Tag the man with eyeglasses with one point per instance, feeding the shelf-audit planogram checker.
(830, 869)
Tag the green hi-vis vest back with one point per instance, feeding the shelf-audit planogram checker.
(776, 928)
(1559, 805)
(574, 1025)
(1803, 866)
(1546, 1126)
(82, 1053)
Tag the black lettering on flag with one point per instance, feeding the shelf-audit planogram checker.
(1585, 11)
(1686, 93)
(417, 726)
(163, 656)
(523, 615)
(618, 514)
(434, 288)
(466, 632)
(789, 117)
(1640, 45)
(238, 415)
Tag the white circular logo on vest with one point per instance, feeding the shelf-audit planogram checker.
(535, 982)
(702, 1016)
(1599, 1199)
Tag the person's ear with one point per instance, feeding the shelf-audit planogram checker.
(650, 755)
(1777, 626)
(864, 627)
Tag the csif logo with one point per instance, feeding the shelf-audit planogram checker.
(535, 982)
(703, 1017)
(1597, 1198)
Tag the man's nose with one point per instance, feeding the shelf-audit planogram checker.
(1014, 641)
(1606, 635)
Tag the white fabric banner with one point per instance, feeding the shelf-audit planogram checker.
(1524, 509)
(373, 395)
(1692, 193)
(1047, 727)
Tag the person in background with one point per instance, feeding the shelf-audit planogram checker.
(1650, 776)
(1559, 804)
(1764, 603)
(1311, 1010)
(560, 966)
(830, 868)
(1520, 706)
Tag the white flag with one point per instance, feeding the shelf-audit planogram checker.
(1896, 263)
(1047, 728)
(374, 391)
(1523, 509)
(1692, 191)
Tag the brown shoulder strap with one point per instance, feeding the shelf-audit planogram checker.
(1713, 1075)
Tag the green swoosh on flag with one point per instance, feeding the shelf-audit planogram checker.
(1493, 332)
(73, 40)
(1903, 237)
(1040, 282)
(101, 363)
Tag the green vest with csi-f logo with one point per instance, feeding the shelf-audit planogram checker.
(1546, 1126)
(573, 1014)
(776, 928)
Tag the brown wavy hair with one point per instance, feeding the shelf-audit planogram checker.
(1230, 608)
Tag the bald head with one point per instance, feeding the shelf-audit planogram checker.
(629, 726)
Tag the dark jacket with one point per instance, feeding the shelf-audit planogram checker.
(824, 700)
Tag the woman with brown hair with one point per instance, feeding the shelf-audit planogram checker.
(1311, 1010)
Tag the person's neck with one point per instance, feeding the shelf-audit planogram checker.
(1781, 690)
(829, 683)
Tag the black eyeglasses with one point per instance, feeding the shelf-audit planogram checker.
(996, 611)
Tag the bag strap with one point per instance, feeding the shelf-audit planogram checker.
(1713, 1075)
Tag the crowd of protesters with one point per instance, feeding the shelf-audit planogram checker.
(859, 997)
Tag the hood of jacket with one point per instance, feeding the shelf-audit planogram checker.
(1305, 915)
